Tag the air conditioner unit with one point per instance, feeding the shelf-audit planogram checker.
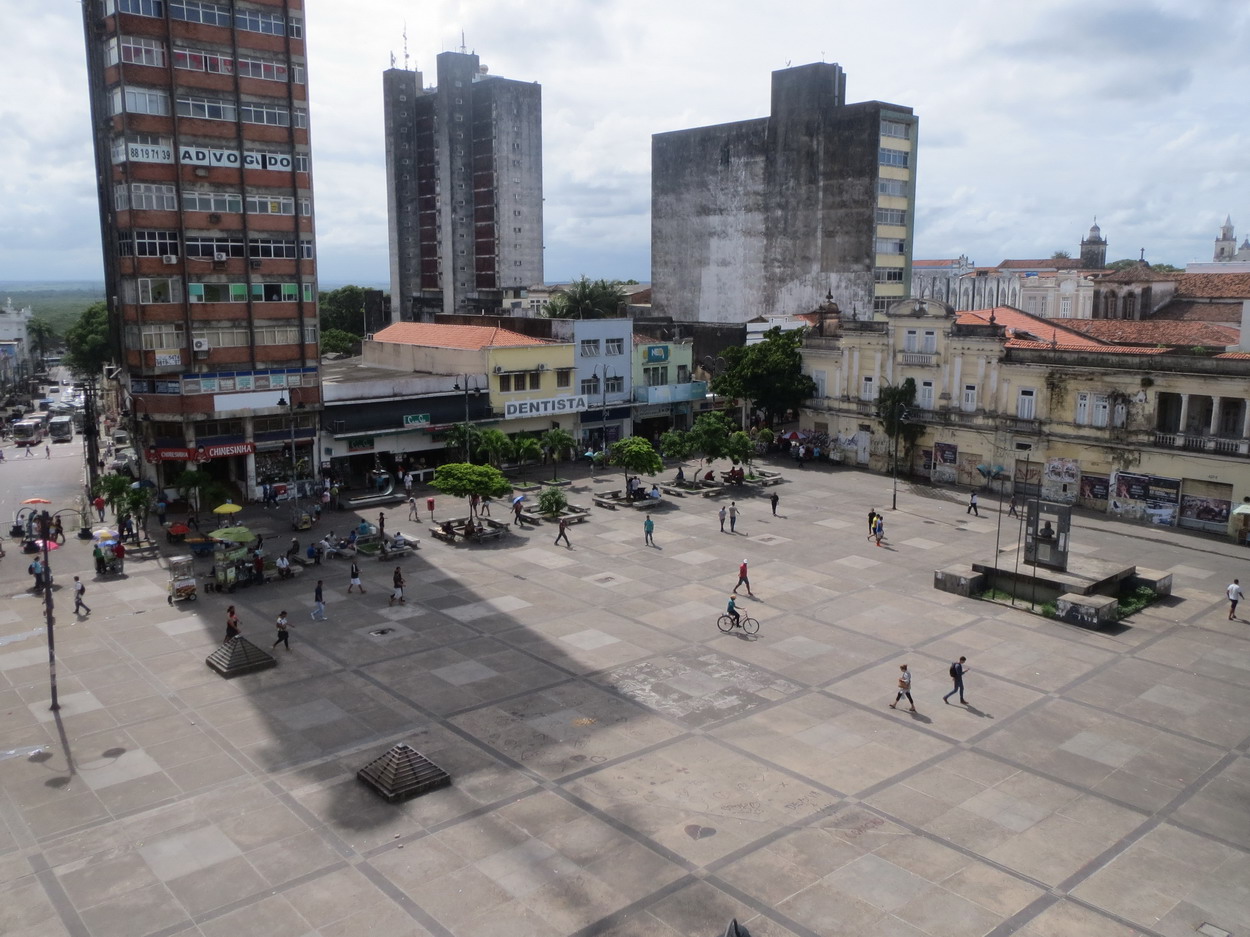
(220, 257)
(169, 259)
(254, 263)
(499, 369)
(542, 367)
(214, 218)
(199, 345)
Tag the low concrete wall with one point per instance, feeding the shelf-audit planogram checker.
(959, 580)
(1156, 579)
(1093, 611)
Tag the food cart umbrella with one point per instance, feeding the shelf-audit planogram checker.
(233, 534)
(108, 543)
(36, 501)
(104, 533)
(794, 435)
(179, 528)
(228, 508)
(1242, 509)
(47, 545)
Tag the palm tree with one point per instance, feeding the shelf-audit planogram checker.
(587, 299)
(495, 444)
(556, 442)
(526, 447)
(465, 438)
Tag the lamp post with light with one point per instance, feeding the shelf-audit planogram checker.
(291, 406)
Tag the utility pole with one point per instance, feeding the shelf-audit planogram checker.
(900, 414)
(91, 433)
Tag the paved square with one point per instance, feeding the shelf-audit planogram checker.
(619, 766)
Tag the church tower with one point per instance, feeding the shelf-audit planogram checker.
(1226, 243)
(1094, 249)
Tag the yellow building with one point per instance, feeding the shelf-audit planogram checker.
(1147, 427)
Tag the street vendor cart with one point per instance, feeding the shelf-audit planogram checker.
(182, 587)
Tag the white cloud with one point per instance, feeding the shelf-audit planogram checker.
(1034, 117)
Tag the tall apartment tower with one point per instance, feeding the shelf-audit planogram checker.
(769, 216)
(200, 124)
(464, 175)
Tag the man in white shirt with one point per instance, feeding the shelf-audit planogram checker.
(1234, 596)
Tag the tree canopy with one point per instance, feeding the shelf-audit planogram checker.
(587, 299)
(495, 444)
(1060, 255)
(635, 454)
(342, 309)
(676, 444)
(463, 479)
(87, 341)
(557, 442)
(42, 335)
(464, 438)
(770, 373)
(892, 411)
(709, 437)
(338, 342)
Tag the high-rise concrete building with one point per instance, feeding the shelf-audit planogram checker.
(200, 124)
(464, 179)
(770, 216)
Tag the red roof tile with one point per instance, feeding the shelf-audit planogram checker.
(1214, 285)
(434, 335)
(1099, 349)
(1020, 324)
(1195, 311)
(1235, 355)
(1154, 332)
(1137, 274)
(935, 263)
(1055, 263)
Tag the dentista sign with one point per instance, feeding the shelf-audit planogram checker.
(549, 407)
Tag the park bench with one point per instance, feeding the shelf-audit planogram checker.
(673, 491)
(712, 492)
(604, 501)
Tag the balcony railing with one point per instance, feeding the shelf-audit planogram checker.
(921, 359)
(1192, 443)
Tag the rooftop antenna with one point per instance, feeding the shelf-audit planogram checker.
(392, 60)
(463, 48)
(405, 45)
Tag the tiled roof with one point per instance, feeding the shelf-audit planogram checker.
(935, 263)
(1050, 263)
(1189, 310)
(1021, 323)
(1235, 355)
(1155, 332)
(1137, 273)
(434, 335)
(1100, 349)
(1214, 285)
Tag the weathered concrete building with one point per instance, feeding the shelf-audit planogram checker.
(768, 216)
(464, 188)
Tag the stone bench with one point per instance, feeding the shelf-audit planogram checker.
(766, 480)
(673, 491)
(605, 502)
(959, 580)
(1156, 579)
(439, 534)
(1092, 611)
(712, 492)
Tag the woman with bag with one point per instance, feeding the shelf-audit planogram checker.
(904, 688)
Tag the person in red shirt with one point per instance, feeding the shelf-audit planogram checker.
(743, 580)
(98, 504)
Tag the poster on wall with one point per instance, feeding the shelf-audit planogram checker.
(1060, 480)
(945, 460)
(1095, 487)
(1028, 473)
(1207, 510)
(1149, 498)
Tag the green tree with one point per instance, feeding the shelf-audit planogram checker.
(740, 448)
(496, 445)
(342, 309)
(338, 342)
(587, 299)
(552, 501)
(87, 342)
(42, 335)
(113, 489)
(676, 444)
(463, 480)
(138, 504)
(892, 411)
(1060, 255)
(769, 373)
(190, 484)
(709, 437)
(464, 438)
(557, 442)
(527, 448)
(637, 455)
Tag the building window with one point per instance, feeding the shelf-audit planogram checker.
(970, 398)
(275, 292)
(164, 336)
(930, 342)
(894, 188)
(199, 11)
(564, 378)
(154, 290)
(505, 383)
(589, 348)
(207, 248)
(139, 101)
(926, 395)
(888, 275)
(135, 50)
(889, 157)
(891, 216)
(206, 108)
(1024, 403)
(1102, 409)
(614, 346)
(536, 379)
(1065, 307)
(301, 162)
(1129, 306)
(656, 376)
(145, 196)
(220, 202)
(217, 292)
(270, 205)
(891, 246)
(270, 115)
(147, 243)
(880, 304)
(1082, 409)
(614, 385)
(895, 128)
(590, 387)
(911, 340)
(222, 338)
(137, 7)
(194, 61)
(256, 21)
(868, 390)
(269, 71)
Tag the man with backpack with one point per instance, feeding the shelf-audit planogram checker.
(957, 672)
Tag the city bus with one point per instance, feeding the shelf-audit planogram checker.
(61, 428)
(28, 432)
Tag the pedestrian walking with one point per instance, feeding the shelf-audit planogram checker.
(564, 532)
(408, 483)
(878, 529)
(98, 504)
(972, 505)
(232, 623)
(1234, 596)
(722, 514)
(1012, 510)
(957, 671)
(162, 506)
(397, 581)
(284, 630)
(743, 580)
(872, 522)
(36, 570)
(319, 603)
(30, 450)
(412, 510)
(354, 575)
(648, 528)
(79, 589)
(484, 510)
(733, 515)
(516, 513)
(382, 524)
(904, 688)
(47, 451)
(773, 499)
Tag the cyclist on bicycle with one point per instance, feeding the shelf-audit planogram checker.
(732, 611)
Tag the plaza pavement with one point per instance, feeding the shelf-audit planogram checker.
(619, 766)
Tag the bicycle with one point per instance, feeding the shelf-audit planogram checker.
(748, 624)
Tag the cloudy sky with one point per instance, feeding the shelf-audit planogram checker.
(1035, 116)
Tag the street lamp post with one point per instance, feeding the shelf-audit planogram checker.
(603, 408)
(291, 407)
(45, 528)
(900, 413)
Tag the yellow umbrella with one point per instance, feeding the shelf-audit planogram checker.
(228, 508)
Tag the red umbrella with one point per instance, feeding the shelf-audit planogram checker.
(36, 501)
(47, 545)
(179, 528)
